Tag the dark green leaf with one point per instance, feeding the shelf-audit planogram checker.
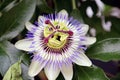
(60, 77)
(107, 10)
(115, 23)
(9, 55)
(63, 4)
(104, 35)
(6, 8)
(4, 3)
(0, 14)
(117, 77)
(12, 22)
(77, 15)
(43, 7)
(94, 22)
(89, 73)
(105, 50)
(26, 59)
(113, 33)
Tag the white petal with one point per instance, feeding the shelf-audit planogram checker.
(35, 68)
(41, 19)
(63, 13)
(24, 44)
(67, 71)
(29, 26)
(84, 29)
(82, 60)
(52, 72)
(88, 40)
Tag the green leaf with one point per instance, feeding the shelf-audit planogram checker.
(107, 10)
(4, 3)
(14, 72)
(115, 23)
(10, 55)
(77, 15)
(105, 50)
(114, 32)
(25, 59)
(63, 4)
(0, 14)
(117, 77)
(6, 8)
(12, 22)
(43, 7)
(89, 73)
(60, 77)
(104, 35)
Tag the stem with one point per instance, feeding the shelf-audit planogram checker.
(74, 4)
(42, 76)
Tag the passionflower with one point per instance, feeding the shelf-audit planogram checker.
(57, 42)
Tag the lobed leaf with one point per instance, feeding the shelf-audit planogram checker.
(12, 22)
(89, 73)
(105, 50)
(10, 55)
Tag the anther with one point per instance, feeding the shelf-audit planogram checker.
(48, 22)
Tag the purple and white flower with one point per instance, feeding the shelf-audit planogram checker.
(57, 42)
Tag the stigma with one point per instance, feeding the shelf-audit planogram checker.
(54, 30)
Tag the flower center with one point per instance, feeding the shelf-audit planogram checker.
(56, 34)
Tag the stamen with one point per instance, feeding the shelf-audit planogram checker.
(69, 32)
(47, 38)
(48, 22)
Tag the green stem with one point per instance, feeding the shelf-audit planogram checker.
(74, 4)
